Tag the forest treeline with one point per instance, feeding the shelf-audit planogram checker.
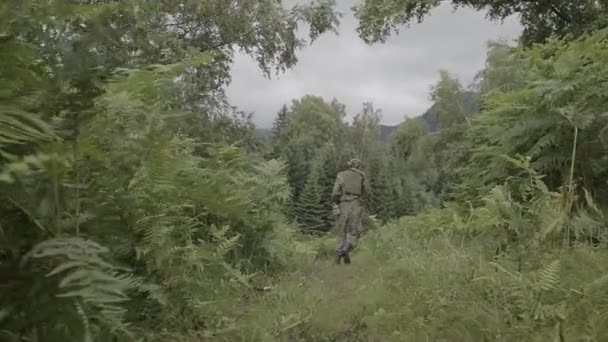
(138, 204)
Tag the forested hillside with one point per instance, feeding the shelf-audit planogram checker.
(137, 204)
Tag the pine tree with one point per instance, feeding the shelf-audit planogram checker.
(381, 198)
(400, 191)
(291, 206)
(280, 122)
(310, 209)
(329, 161)
(297, 171)
(277, 132)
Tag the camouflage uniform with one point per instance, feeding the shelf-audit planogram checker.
(350, 185)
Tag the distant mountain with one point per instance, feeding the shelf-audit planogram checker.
(428, 118)
(431, 120)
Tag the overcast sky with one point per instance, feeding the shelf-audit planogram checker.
(395, 76)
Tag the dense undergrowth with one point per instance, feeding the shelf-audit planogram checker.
(137, 205)
(443, 275)
(441, 288)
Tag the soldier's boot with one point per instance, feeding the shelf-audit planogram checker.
(347, 259)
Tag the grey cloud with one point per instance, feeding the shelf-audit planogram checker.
(395, 76)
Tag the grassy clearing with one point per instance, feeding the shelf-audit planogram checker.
(437, 288)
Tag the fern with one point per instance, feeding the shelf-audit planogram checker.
(84, 276)
(19, 127)
(73, 292)
(548, 277)
(585, 226)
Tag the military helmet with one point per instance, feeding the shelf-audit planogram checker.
(354, 163)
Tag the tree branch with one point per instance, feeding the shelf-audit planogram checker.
(555, 11)
(551, 7)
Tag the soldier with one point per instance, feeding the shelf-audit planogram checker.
(349, 187)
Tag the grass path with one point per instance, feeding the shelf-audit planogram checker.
(401, 289)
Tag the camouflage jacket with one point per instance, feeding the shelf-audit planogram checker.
(350, 185)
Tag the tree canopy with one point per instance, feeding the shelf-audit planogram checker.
(378, 19)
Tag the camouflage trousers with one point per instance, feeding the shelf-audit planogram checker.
(348, 226)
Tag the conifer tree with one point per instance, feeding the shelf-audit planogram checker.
(329, 161)
(279, 122)
(381, 198)
(297, 170)
(310, 209)
(277, 136)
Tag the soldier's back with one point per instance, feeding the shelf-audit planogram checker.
(352, 181)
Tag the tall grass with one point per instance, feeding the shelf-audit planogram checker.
(434, 288)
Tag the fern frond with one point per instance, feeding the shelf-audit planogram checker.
(583, 224)
(85, 277)
(85, 323)
(591, 203)
(548, 277)
(28, 165)
(20, 127)
(224, 244)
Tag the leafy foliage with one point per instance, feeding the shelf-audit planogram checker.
(548, 130)
(129, 191)
(137, 204)
(541, 20)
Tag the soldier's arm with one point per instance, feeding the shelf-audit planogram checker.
(337, 191)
